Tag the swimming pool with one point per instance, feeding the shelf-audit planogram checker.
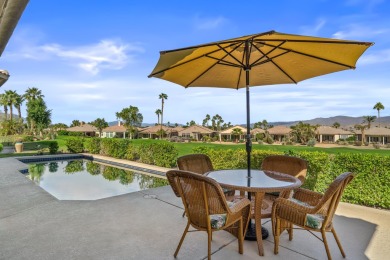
(81, 179)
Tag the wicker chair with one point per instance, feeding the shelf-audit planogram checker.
(198, 163)
(206, 207)
(290, 165)
(310, 211)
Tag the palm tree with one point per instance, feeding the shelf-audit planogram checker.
(3, 102)
(378, 106)
(158, 113)
(19, 101)
(362, 128)
(237, 132)
(32, 94)
(11, 97)
(206, 120)
(163, 97)
(369, 120)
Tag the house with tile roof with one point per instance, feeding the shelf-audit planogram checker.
(279, 132)
(118, 130)
(328, 134)
(86, 129)
(196, 132)
(228, 134)
(379, 135)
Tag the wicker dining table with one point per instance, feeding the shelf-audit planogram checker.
(258, 184)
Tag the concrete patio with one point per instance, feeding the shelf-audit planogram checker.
(148, 225)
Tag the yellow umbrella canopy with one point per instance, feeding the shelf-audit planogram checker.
(271, 58)
(254, 60)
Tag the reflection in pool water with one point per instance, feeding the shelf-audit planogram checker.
(87, 180)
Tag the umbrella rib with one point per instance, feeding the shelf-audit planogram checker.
(195, 58)
(311, 56)
(255, 63)
(200, 75)
(276, 65)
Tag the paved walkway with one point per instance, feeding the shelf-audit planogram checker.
(35, 225)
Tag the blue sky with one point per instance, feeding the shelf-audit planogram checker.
(91, 58)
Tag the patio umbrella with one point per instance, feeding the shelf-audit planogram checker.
(255, 60)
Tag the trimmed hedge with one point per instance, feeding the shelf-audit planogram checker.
(369, 188)
(75, 145)
(160, 154)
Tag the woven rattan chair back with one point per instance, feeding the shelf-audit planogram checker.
(198, 163)
(290, 165)
(328, 204)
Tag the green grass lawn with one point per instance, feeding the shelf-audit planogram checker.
(187, 148)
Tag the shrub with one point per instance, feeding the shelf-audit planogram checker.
(53, 147)
(92, 145)
(28, 138)
(369, 188)
(1, 147)
(311, 142)
(269, 140)
(358, 143)
(160, 154)
(113, 147)
(376, 146)
(75, 145)
(63, 132)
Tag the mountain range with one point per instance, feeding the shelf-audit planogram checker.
(342, 120)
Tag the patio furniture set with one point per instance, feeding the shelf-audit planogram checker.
(218, 200)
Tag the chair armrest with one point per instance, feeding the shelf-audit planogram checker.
(239, 205)
(310, 197)
(291, 211)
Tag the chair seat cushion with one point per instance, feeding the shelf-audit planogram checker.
(312, 220)
(217, 221)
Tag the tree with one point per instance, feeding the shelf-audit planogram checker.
(4, 103)
(39, 114)
(11, 98)
(75, 123)
(163, 97)
(362, 128)
(369, 120)
(131, 119)
(18, 103)
(206, 121)
(158, 113)
(216, 122)
(378, 106)
(336, 125)
(303, 132)
(237, 132)
(100, 124)
(32, 94)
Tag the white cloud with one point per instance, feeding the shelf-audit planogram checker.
(314, 29)
(209, 23)
(356, 31)
(376, 57)
(107, 54)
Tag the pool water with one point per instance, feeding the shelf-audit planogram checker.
(88, 180)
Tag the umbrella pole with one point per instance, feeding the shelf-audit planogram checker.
(251, 231)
